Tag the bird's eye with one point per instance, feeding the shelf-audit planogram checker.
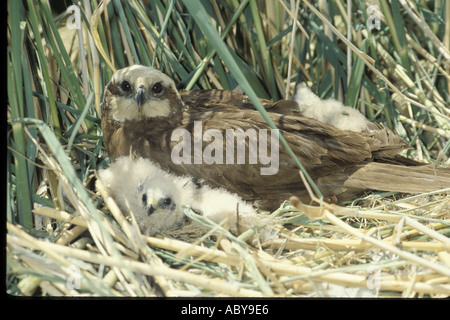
(144, 199)
(167, 201)
(157, 88)
(126, 86)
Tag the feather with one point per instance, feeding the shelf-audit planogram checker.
(332, 141)
(329, 111)
(138, 184)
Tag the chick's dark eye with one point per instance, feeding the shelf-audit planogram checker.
(157, 88)
(126, 86)
(167, 201)
(144, 199)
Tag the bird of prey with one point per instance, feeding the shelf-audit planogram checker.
(145, 116)
(156, 198)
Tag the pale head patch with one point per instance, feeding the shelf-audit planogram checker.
(126, 109)
(124, 105)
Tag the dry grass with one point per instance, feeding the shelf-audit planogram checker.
(66, 237)
(385, 248)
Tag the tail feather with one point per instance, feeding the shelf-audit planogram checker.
(398, 178)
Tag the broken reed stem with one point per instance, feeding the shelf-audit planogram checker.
(58, 251)
(429, 232)
(19, 239)
(59, 215)
(345, 244)
(221, 257)
(76, 220)
(418, 125)
(281, 268)
(385, 246)
(208, 254)
(218, 256)
(70, 234)
(361, 282)
(219, 286)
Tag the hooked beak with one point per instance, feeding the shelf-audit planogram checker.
(152, 207)
(140, 98)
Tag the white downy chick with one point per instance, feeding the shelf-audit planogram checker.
(219, 205)
(128, 180)
(330, 111)
(156, 198)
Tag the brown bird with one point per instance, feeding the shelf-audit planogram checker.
(219, 137)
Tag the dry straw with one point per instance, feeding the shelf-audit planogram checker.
(329, 262)
(76, 242)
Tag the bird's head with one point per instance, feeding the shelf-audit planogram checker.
(159, 196)
(156, 201)
(160, 207)
(140, 93)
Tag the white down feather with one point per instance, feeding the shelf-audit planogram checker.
(127, 179)
(330, 111)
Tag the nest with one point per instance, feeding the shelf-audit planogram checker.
(378, 246)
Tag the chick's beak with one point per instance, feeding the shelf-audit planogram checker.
(140, 97)
(152, 207)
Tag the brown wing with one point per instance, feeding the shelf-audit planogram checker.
(335, 159)
(213, 98)
(321, 148)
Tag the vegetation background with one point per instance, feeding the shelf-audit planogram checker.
(397, 73)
